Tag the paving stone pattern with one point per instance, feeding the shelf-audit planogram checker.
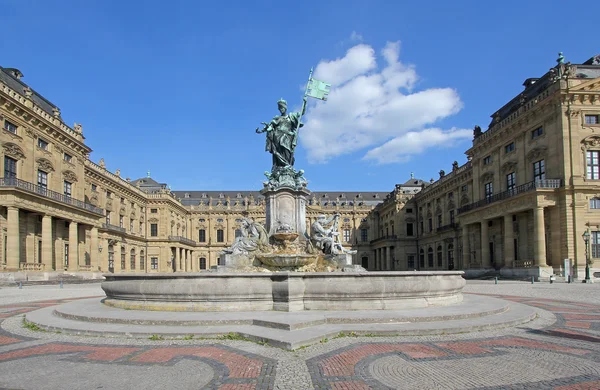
(559, 354)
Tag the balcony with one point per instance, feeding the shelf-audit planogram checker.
(182, 240)
(42, 191)
(531, 186)
(450, 226)
(384, 238)
(114, 228)
(31, 266)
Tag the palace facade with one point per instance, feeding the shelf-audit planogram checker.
(519, 206)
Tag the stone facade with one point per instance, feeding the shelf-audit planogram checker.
(529, 189)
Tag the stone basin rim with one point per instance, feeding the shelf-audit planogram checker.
(193, 275)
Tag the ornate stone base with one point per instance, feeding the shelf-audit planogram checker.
(284, 291)
(286, 207)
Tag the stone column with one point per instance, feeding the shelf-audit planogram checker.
(509, 238)
(388, 259)
(73, 246)
(374, 259)
(177, 260)
(466, 251)
(94, 258)
(485, 245)
(47, 250)
(13, 239)
(539, 238)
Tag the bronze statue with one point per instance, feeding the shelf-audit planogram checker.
(282, 135)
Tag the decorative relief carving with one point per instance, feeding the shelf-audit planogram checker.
(122, 210)
(45, 165)
(536, 153)
(486, 177)
(29, 131)
(590, 142)
(70, 176)
(94, 200)
(153, 220)
(13, 150)
(509, 166)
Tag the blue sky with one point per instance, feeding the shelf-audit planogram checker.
(178, 87)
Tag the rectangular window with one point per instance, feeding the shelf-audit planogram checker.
(142, 261)
(42, 144)
(108, 195)
(409, 210)
(592, 163)
(537, 132)
(67, 188)
(121, 224)
(464, 188)
(539, 170)
(595, 203)
(154, 230)
(141, 231)
(154, 263)
(487, 160)
(131, 225)
(410, 262)
(591, 120)
(67, 157)
(510, 181)
(123, 258)
(108, 217)
(9, 126)
(132, 260)
(202, 235)
(220, 261)
(202, 263)
(489, 191)
(410, 229)
(421, 227)
(10, 168)
(452, 220)
(439, 258)
(595, 244)
(430, 225)
(430, 258)
(94, 187)
(153, 211)
(66, 255)
(364, 235)
(346, 235)
(509, 148)
(220, 236)
(439, 220)
(42, 180)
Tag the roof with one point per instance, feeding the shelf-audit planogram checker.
(12, 78)
(412, 182)
(194, 197)
(148, 184)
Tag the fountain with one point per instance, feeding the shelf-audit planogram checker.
(281, 266)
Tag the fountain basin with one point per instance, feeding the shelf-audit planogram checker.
(285, 236)
(286, 260)
(283, 291)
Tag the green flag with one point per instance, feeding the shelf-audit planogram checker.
(318, 89)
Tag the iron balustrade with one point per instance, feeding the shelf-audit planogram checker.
(182, 240)
(383, 238)
(531, 186)
(113, 227)
(43, 191)
(447, 227)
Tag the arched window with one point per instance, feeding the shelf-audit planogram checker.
(142, 260)
(439, 256)
(122, 258)
(421, 258)
(365, 262)
(450, 256)
(430, 257)
(132, 259)
(203, 263)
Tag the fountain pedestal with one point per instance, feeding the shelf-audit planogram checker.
(286, 207)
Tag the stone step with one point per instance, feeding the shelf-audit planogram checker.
(304, 328)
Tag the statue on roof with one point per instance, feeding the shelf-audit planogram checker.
(477, 132)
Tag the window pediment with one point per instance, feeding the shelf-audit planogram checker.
(45, 165)
(13, 150)
(536, 153)
(509, 166)
(590, 142)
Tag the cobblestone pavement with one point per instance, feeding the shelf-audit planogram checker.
(558, 350)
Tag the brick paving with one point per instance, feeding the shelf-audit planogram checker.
(562, 355)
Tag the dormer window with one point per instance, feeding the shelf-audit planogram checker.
(239, 196)
(186, 195)
(221, 196)
(204, 196)
(67, 157)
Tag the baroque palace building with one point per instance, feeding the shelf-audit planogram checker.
(519, 206)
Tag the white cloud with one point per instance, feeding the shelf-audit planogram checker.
(369, 105)
(356, 37)
(401, 148)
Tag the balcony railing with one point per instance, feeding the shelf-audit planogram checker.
(531, 186)
(182, 240)
(383, 238)
(31, 266)
(450, 226)
(113, 228)
(42, 191)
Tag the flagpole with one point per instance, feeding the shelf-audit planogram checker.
(304, 99)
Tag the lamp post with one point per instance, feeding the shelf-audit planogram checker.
(586, 239)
